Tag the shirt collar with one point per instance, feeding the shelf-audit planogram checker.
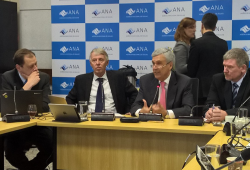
(104, 76)
(167, 79)
(21, 77)
(240, 81)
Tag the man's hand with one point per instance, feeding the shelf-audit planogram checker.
(145, 108)
(32, 80)
(158, 108)
(218, 115)
(209, 115)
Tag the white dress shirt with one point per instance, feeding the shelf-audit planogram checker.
(109, 101)
(170, 112)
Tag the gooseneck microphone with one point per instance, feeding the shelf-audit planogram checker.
(240, 107)
(16, 111)
(157, 89)
(245, 156)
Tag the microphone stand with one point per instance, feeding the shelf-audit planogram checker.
(240, 107)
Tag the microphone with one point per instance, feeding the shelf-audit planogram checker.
(191, 114)
(245, 156)
(240, 107)
(16, 111)
(230, 143)
(157, 89)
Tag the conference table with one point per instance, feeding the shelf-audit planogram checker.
(6, 128)
(114, 145)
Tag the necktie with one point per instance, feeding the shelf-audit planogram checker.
(25, 82)
(163, 95)
(100, 97)
(235, 87)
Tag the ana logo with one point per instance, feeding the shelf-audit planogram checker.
(167, 10)
(166, 30)
(63, 13)
(245, 48)
(107, 48)
(245, 8)
(109, 67)
(245, 29)
(64, 67)
(96, 12)
(96, 31)
(64, 85)
(130, 11)
(64, 31)
(137, 49)
(219, 29)
(130, 49)
(130, 31)
(64, 49)
(204, 9)
(213, 7)
(141, 68)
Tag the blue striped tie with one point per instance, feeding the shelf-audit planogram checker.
(99, 97)
(235, 87)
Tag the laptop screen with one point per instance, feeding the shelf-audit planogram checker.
(23, 99)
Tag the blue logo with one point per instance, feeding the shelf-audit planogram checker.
(222, 9)
(101, 1)
(64, 67)
(63, 32)
(62, 85)
(245, 8)
(68, 50)
(241, 30)
(245, 48)
(167, 10)
(136, 50)
(130, 31)
(102, 32)
(113, 65)
(165, 31)
(69, 68)
(68, 14)
(143, 12)
(96, 12)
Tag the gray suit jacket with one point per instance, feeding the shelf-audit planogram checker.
(179, 95)
(181, 52)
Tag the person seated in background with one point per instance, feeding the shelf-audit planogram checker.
(185, 32)
(26, 76)
(106, 91)
(174, 98)
(231, 88)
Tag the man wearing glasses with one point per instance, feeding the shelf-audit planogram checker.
(106, 91)
(174, 97)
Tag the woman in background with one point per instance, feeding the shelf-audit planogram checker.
(184, 34)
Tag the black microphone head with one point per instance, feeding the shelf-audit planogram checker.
(245, 154)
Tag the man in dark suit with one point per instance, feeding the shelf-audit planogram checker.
(206, 56)
(174, 98)
(231, 89)
(27, 77)
(104, 90)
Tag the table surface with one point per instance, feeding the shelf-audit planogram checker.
(169, 125)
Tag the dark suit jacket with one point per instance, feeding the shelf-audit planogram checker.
(11, 79)
(179, 96)
(206, 59)
(123, 92)
(220, 93)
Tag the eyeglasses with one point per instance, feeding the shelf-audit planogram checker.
(159, 66)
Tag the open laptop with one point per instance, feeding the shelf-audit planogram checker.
(23, 99)
(66, 113)
(57, 100)
(203, 160)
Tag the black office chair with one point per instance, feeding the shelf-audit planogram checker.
(195, 91)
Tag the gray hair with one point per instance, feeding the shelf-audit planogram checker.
(99, 51)
(239, 55)
(167, 53)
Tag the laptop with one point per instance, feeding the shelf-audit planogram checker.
(203, 160)
(66, 113)
(57, 100)
(23, 99)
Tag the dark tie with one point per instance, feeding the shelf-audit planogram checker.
(100, 97)
(235, 87)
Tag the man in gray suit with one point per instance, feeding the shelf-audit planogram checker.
(174, 97)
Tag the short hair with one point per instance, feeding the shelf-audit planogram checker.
(19, 56)
(239, 55)
(209, 21)
(167, 53)
(99, 51)
(180, 34)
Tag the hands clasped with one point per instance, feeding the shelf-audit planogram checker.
(156, 108)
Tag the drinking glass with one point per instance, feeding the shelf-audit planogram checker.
(32, 110)
(212, 151)
(217, 109)
(83, 108)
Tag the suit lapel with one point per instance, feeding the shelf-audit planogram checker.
(112, 86)
(172, 88)
(242, 90)
(153, 85)
(18, 82)
(228, 94)
(88, 85)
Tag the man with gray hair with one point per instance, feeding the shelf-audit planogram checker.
(231, 88)
(174, 97)
(106, 91)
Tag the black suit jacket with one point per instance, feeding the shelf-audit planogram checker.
(220, 93)
(206, 59)
(179, 95)
(11, 78)
(123, 92)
